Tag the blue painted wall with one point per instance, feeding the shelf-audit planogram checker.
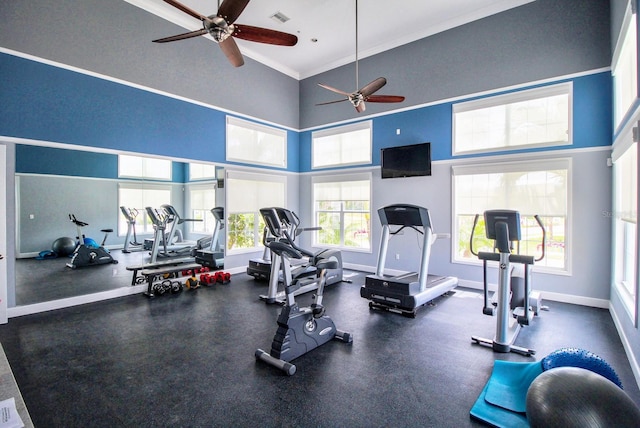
(592, 123)
(47, 103)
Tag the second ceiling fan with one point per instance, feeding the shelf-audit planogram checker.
(366, 93)
(223, 29)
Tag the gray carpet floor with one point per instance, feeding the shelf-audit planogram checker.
(188, 360)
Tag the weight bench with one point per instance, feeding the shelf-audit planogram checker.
(150, 274)
(167, 263)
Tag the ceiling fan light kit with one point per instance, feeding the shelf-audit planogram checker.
(366, 93)
(223, 29)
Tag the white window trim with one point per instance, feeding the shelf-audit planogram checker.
(231, 120)
(339, 179)
(626, 22)
(518, 166)
(366, 124)
(509, 98)
(631, 306)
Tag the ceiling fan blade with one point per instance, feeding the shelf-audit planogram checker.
(230, 10)
(181, 36)
(232, 52)
(385, 98)
(186, 10)
(337, 91)
(372, 87)
(360, 107)
(332, 102)
(264, 35)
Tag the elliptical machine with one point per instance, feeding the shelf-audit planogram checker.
(130, 214)
(516, 303)
(88, 252)
(300, 330)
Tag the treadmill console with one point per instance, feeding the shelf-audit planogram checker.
(405, 215)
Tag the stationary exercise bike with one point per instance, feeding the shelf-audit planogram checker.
(516, 303)
(88, 252)
(300, 330)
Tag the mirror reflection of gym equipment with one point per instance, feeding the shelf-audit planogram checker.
(515, 303)
(405, 293)
(45, 281)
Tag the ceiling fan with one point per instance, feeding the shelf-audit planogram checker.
(358, 97)
(222, 28)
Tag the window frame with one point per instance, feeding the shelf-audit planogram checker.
(208, 222)
(628, 34)
(565, 88)
(342, 178)
(339, 131)
(630, 302)
(142, 219)
(260, 128)
(532, 165)
(202, 168)
(230, 176)
(168, 176)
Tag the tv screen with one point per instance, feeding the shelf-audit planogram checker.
(406, 161)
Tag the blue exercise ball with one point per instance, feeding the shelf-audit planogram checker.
(577, 397)
(63, 246)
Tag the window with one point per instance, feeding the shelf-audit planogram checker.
(532, 118)
(246, 194)
(625, 219)
(135, 196)
(201, 171)
(537, 187)
(625, 68)
(250, 142)
(202, 199)
(342, 146)
(343, 210)
(141, 167)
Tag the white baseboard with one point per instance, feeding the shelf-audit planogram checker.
(546, 295)
(35, 308)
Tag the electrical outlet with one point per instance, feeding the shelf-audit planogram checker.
(397, 256)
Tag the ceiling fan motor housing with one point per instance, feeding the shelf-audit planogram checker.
(219, 29)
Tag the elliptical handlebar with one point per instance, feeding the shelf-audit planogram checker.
(477, 253)
(473, 228)
(544, 236)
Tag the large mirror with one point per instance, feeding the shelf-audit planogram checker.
(52, 183)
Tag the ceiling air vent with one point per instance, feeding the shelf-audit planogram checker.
(280, 17)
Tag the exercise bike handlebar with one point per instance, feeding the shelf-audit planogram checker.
(77, 222)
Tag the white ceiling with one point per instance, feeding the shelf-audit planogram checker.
(382, 25)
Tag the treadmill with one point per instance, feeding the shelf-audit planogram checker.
(405, 293)
(213, 257)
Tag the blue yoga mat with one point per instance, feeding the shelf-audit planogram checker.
(502, 402)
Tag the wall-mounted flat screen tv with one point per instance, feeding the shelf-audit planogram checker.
(406, 161)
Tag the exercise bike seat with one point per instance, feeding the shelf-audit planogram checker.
(106, 230)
